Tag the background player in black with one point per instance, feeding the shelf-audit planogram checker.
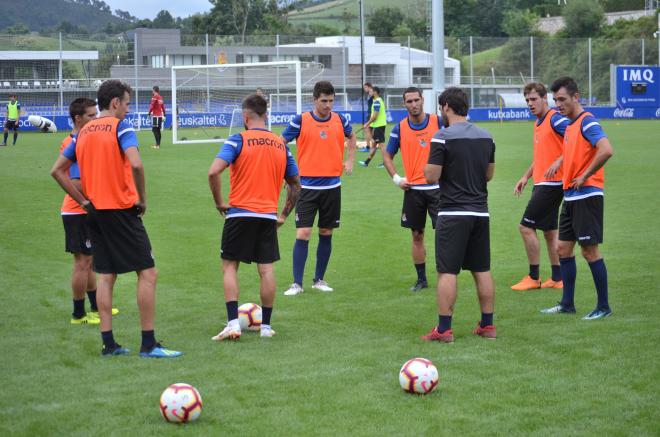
(462, 159)
(368, 88)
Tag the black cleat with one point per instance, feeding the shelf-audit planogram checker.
(419, 285)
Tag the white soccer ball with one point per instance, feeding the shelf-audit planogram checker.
(249, 316)
(418, 375)
(42, 123)
(180, 403)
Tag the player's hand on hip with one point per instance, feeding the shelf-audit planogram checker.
(222, 208)
(404, 184)
(578, 182)
(348, 167)
(141, 207)
(520, 186)
(551, 171)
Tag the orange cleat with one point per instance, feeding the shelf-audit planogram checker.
(488, 331)
(527, 283)
(434, 335)
(552, 284)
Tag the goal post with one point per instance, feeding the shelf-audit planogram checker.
(205, 98)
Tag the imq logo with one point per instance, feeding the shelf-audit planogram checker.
(638, 74)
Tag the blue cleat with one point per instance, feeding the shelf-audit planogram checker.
(159, 351)
(117, 350)
(598, 314)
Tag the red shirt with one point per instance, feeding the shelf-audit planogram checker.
(157, 106)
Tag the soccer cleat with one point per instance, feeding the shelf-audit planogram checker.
(267, 331)
(598, 314)
(559, 308)
(293, 290)
(419, 285)
(553, 284)
(381, 165)
(117, 350)
(155, 146)
(527, 283)
(321, 285)
(87, 319)
(363, 163)
(159, 351)
(229, 333)
(364, 150)
(434, 335)
(488, 331)
(96, 315)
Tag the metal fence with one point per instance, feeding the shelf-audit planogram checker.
(44, 71)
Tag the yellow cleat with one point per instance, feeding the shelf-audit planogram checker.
(95, 314)
(87, 319)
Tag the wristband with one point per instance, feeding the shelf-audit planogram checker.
(397, 179)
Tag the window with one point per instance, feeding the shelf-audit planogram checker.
(326, 60)
(158, 61)
(422, 75)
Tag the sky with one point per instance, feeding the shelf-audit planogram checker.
(149, 8)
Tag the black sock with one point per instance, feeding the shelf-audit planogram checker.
(91, 296)
(232, 310)
(556, 273)
(148, 341)
(534, 271)
(108, 339)
(158, 137)
(421, 272)
(367, 161)
(444, 323)
(486, 319)
(265, 315)
(15, 137)
(78, 308)
(6, 135)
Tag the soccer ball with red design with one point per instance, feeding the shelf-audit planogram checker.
(249, 316)
(418, 375)
(180, 403)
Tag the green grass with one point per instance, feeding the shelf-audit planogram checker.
(330, 13)
(332, 369)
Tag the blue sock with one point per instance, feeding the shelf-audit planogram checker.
(421, 272)
(568, 275)
(556, 273)
(534, 271)
(323, 256)
(599, 272)
(232, 310)
(486, 319)
(300, 249)
(444, 323)
(266, 312)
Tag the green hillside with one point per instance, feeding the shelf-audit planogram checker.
(331, 13)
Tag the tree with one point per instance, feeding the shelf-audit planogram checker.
(583, 18)
(519, 22)
(384, 21)
(17, 29)
(164, 20)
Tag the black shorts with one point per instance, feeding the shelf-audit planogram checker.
(418, 203)
(76, 234)
(462, 242)
(120, 243)
(11, 125)
(582, 221)
(250, 239)
(326, 202)
(378, 134)
(157, 122)
(543, 207)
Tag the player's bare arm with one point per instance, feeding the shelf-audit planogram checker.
(490, 171)
(60, 172)
(217, 167)
(292, 194)
(604, 153)
(352, 145)
(137, 168)
(399, 181)
(522, 182)
(432, 173)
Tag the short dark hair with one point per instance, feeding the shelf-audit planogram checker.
(535, 86)
(109, 90)
(13, 95)
(256, 104)
(411, 89)
(156, 88)
(376, 90)
(79, 106)
(565, 82)
(456, 99)
(368, 84)
(323, 87)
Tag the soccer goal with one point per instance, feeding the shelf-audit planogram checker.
(206, 99)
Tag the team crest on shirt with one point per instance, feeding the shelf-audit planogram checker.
(403, 217)
(323, 134)
(422, 142)
(297, 219)
(88, 243)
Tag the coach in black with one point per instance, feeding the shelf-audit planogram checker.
(462, 158)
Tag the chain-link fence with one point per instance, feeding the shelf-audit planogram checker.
(49, 70)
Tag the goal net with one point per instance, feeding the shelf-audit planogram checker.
(206, 99)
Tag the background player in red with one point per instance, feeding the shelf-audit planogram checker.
(157, 114)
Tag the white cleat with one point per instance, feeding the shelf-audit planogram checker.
(293, 290)
(321, 285)
(267, 331)
(229, 333)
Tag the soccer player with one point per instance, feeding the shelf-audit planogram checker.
(12, 118)
(462, 158)
(586, 150)
(543, 207)
(377, 120)
(368, 132)
(413, 136)
(157, 114)
(259, 161)
(112, 178)
(320, 137)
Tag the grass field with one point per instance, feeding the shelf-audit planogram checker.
(333, 367)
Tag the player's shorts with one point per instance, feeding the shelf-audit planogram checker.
(326, 202)
(462, 242)
(157, 122)
(120, 243)
(418, 203)
(11, 125)
(379, 134)
(76, 234)
(250, 239)
(543, 207)
(582, 221)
